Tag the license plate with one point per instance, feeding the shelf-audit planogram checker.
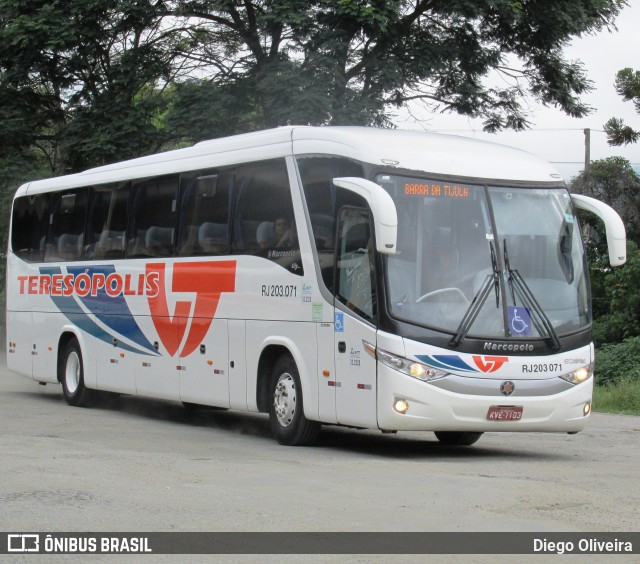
(505, 413)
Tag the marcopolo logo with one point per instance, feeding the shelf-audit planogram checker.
(89, 294)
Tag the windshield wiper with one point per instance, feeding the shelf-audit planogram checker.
(518, 286)
(479, 299)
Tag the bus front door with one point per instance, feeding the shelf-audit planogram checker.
(354, 321)
(355, 372)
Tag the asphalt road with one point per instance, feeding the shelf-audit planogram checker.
(140, 465)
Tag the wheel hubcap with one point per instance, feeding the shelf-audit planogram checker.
(284, 399)
(72, 372)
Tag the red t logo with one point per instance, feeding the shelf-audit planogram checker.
(492, 362)
(207, 280)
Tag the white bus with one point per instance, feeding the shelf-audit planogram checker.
(348, 276)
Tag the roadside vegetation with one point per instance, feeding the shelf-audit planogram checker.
(622, 397)
(618, 377)
(615, 291)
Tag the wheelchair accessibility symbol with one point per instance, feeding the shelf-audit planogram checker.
(339, 322)
(519, 321)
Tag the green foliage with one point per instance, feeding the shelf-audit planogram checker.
(71, 74)
(627, 86)
(87, 82)
(617, 293)
(619, 362)
(614, 182)
(622, 397)
(118, 129)
(221, 112)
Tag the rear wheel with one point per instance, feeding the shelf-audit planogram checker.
(457, 438)
(286, 408)
(71, 376)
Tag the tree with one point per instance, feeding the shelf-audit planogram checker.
(627, 86)
(85, 81)
(352, 61)
(77, 78)
(616, 297)
(613, 181)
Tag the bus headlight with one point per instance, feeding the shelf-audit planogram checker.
(407, 366)
(580, 375)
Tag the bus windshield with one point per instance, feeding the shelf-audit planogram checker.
(486, 261)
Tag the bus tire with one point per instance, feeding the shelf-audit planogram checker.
(457, 438)
(286, 408)
(71, 376)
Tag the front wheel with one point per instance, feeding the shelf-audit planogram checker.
(457, 438)
(71, 376)
(286, 408)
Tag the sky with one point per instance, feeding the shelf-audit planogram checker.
(553, 135)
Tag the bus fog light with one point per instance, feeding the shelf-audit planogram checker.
(401, 406)
(586, 409)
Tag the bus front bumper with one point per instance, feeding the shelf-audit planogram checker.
(407, 404)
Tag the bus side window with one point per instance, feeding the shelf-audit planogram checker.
(30, 222)
(264, 220)
(66, 230)
(204, 213)
(356, 283)
(262, 192)
(107, 221)
(324, 203)
(152, 219)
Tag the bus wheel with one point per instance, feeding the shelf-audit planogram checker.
(71, 375)
(457, 438)
(286, 413)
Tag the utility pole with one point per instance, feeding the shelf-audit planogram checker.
(587, 148)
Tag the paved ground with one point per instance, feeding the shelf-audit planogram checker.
(139, 465)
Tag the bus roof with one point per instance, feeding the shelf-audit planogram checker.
(410, 150)
(434, 153)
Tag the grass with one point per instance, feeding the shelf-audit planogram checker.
(621, 397)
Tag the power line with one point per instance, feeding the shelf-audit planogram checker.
(531, 130)
(582, 162)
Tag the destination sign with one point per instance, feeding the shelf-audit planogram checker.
(436, 190)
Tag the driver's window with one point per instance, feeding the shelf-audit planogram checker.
(355, 264)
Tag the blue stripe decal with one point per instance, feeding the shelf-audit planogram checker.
(112, 311)
(446, 362)
(70, 308)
